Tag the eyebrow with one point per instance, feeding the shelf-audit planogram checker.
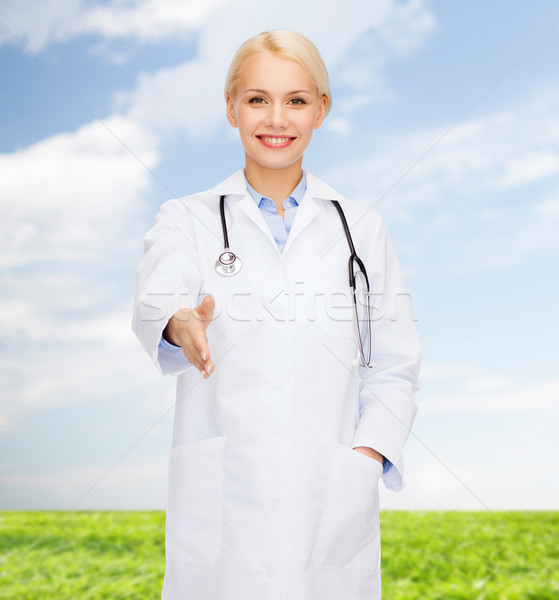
(288, 93)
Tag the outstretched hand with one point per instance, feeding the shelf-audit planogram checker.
(187, 328)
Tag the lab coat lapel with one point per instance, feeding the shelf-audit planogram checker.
(235, 188)
(248, 206)
(316, 194)
(307, 211)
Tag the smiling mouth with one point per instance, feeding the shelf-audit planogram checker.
(275, 141)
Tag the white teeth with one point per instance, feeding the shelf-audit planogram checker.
(270, 140)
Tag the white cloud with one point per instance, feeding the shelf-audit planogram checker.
(486, 193)
(187, 97)
(79, 372)
(542, 224)
(489, 384)
(502, 150)
(71, 204)
(497, 395)
(64, 197)
(38, 22)
(340, 126)
(126, 486)
(531, 166)
(43, 22)
(147, 20)
(437, 372)
(39, 323)
(503, 483)
(398, 27)
(506, 235)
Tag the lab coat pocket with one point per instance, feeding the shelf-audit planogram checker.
(348, 534)
(194, 521)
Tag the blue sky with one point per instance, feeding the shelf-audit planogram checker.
(445, 119)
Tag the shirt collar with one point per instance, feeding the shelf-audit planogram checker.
(236, 185)
(296, 195)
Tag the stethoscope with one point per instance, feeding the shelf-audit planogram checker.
(228, 263)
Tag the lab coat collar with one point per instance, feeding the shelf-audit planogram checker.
(317, 190)
(235, 185)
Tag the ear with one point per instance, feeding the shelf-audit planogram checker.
(230, 111)
(321, 112)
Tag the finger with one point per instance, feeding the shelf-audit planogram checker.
(193, 357)
(199, 355)
(202, 349)
(195, 347)
(208, 365)
(209, 369)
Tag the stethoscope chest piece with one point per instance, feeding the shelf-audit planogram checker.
(228, 263)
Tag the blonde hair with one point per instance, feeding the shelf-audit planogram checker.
(284, 44)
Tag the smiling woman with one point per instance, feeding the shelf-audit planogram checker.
(276, 106)
(282, 433)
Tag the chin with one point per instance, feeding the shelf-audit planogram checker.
(276, 164)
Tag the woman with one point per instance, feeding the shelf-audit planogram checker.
(281, 434)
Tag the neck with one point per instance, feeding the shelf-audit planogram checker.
(275, 184)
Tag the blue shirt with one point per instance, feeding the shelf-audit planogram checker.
(280, 228)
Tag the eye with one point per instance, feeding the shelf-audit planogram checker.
(256, 100)
(297, 101)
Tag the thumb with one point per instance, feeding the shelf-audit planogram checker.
(206, 308)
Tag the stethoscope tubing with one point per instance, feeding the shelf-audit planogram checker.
(228, 263)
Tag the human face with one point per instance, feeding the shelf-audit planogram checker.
(276, 109)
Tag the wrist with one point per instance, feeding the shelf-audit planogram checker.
(371, 453)
(171, 332)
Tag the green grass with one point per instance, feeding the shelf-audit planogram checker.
(470, 555)
(426, 555)
(84, 556)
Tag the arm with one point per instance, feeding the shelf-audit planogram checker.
(171, 358)
(168, 283)
(387, 404)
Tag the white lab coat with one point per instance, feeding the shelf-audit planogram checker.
(267, 500)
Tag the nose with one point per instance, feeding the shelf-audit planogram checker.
(276, 116)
